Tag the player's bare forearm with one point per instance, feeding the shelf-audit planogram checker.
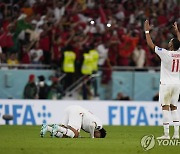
(178, 35)
(149, 41)
(148, 37)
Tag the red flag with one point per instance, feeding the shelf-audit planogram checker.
(103, 15)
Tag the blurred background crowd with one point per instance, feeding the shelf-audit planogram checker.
(71, 34)
(39, 31)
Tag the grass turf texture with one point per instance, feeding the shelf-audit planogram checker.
(120, 139)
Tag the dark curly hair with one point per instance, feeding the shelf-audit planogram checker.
(103, 133)
(176, 44)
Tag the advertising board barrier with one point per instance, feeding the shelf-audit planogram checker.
(36, 112)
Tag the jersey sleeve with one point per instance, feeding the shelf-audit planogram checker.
(162, 53)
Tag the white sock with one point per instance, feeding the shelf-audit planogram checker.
(166, 122)
(66, 131)
(62, 129)
(175, 117)
(59, 134)
(49, 128)
(70, 133)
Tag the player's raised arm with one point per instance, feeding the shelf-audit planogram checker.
(176, 30)
(148, 37)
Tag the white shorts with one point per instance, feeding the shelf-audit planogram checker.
(73, 118)
(169, 94)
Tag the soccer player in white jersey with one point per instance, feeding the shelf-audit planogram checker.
(75, 119)
(169, 80)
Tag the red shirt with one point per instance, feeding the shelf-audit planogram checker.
(44, 44)
(6, 40)
(5, 25)
(56, 52)
(25, 59)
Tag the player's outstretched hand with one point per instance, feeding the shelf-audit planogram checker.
(175, 26)
(147, 26)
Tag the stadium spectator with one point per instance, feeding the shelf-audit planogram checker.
(56, 51)
(103, 53)
(26, 59)
(45, 45)
(156, 97)
(127, 47)
(69, 66)
(2, 59)
(43, 88)
(106, 79)
(75, 119)
(55, 89)
(121, 96)
(36, 54)
(95, 57)
(6, 40)
(30, 89)
(139, 57)
(87, 65)
(169, 80)
(12, 60)
(86, 90)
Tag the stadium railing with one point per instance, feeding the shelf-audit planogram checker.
(25, 66)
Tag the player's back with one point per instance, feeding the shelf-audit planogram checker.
(170, 66)
(87, 117)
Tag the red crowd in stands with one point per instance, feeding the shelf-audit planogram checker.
(39, 31)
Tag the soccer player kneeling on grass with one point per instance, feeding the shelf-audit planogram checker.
(169, 80)
(75, 119)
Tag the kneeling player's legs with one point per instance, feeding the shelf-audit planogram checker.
(75, 120)
(71, 123)
(65, 119)
(62, 129)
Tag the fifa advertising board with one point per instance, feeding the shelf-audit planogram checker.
(36, 112)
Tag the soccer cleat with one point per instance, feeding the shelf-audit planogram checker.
(175, 137)
(43, 130)
(54, 130)
(164, 137)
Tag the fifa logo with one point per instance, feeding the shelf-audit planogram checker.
(26, 114)
(147, 142)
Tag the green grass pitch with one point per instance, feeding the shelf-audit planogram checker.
(120, 140)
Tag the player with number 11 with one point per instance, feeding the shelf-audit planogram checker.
(169, 79)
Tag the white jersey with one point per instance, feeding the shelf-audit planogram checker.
(170, 66)
(80, 118)
(88, 119)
